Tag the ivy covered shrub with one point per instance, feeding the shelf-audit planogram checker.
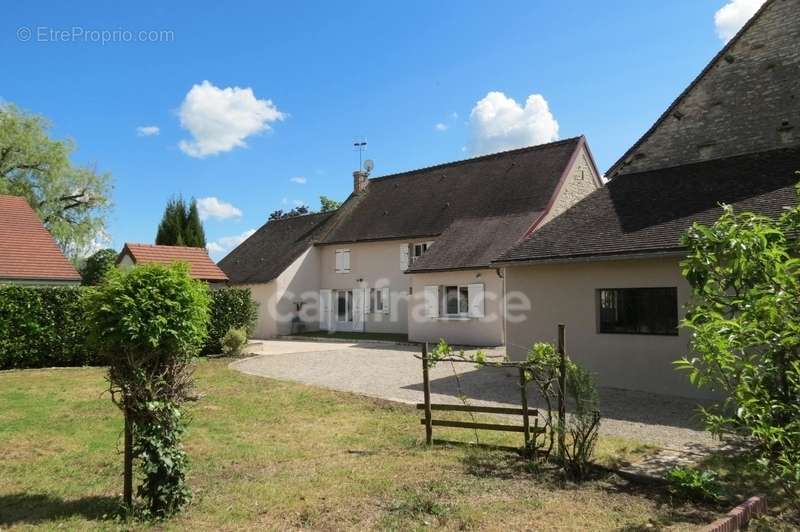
(231, 308)
(150, 322)
(43, 327)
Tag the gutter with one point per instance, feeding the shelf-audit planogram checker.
(593, 258)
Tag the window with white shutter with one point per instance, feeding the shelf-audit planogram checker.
(342, 261)
(386, 306)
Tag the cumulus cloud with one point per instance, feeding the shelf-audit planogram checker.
(147, 131)
(498, 122)
(732, 16)
(440, 127)
(213, 207)
(220, 120)
(223, 245)
(300, 180)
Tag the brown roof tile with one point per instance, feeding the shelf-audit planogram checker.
(200, 264)
(27, 250)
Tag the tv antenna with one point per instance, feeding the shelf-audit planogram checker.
(360, 145)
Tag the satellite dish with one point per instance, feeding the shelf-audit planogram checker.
(368, 165)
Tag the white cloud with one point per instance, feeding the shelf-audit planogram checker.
(300, 180)
(147, 131)
(220, 120)
(500, 123)
(440, 127)
(732, 16)
(223, 245)
(454, 115)
(284, 201)
(213, 207)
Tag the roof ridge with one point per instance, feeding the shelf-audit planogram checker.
(480, 158)
(619, 162)
(163, 246)
(288, 218)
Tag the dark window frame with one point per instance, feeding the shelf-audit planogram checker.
(628, 301)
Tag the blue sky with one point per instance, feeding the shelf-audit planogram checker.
(291, 84)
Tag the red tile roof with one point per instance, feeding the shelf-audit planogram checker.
(200, 264)
(27, 250)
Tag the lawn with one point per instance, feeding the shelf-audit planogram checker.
(276, 455)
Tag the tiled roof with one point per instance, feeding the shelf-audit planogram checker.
(647, 212)
(271, 249)
(476, 207)
(200, 264)
(27, 250)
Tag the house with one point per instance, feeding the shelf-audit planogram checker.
(410, 253)
(28, 253)
(608, 267)
(201, 266)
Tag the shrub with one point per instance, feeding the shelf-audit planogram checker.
(693, 484)
(42, 327)
(97, 266)
(150, 321)
(231, 308)
(583, 425)
(745, 332)
(234, 341)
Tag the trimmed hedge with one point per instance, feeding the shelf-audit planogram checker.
(46, 326)
(231, 308)
(43, 327)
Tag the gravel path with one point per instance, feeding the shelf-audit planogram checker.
(391, 372)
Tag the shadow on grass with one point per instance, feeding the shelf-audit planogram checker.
(28, 508)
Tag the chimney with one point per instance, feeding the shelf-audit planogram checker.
(360, 181)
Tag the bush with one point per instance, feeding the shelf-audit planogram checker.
(43, 327)
(234, 341)
(231, 308)
(151, 321)
(583, 426)
(693, 484)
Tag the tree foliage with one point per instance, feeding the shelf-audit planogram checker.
(279, 214)
(149, 322)
(97, 265)
(327, 204)
(180, 225)
(745, 322)
(72, 201)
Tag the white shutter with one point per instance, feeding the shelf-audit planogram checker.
(432, 301)
(358, 309)
(346, 260)
(339, 260)
(475, 294)
(386, 306)
(325, 310)
(403, 257)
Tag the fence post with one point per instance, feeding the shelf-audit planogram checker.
(426, 390)
(127, 482)
(526, 425)
(562, 391)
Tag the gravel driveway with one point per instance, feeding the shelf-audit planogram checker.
(391, 372)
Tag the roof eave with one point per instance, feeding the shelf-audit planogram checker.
(594, 257)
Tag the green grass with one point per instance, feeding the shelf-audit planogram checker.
(275, 455)
(343, 335)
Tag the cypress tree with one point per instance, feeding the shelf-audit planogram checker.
(194, 234)
(180, 225)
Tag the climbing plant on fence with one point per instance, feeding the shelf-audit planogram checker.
(150, 322)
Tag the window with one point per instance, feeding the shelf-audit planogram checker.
(344, 305)
(379, 300)
(419, 250)
(456, 300)
(342, 261)
(638, 310)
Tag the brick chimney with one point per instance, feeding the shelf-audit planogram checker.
(360, 181)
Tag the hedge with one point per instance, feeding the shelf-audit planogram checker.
(231, 308)
(42, 327)
(46, 326)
